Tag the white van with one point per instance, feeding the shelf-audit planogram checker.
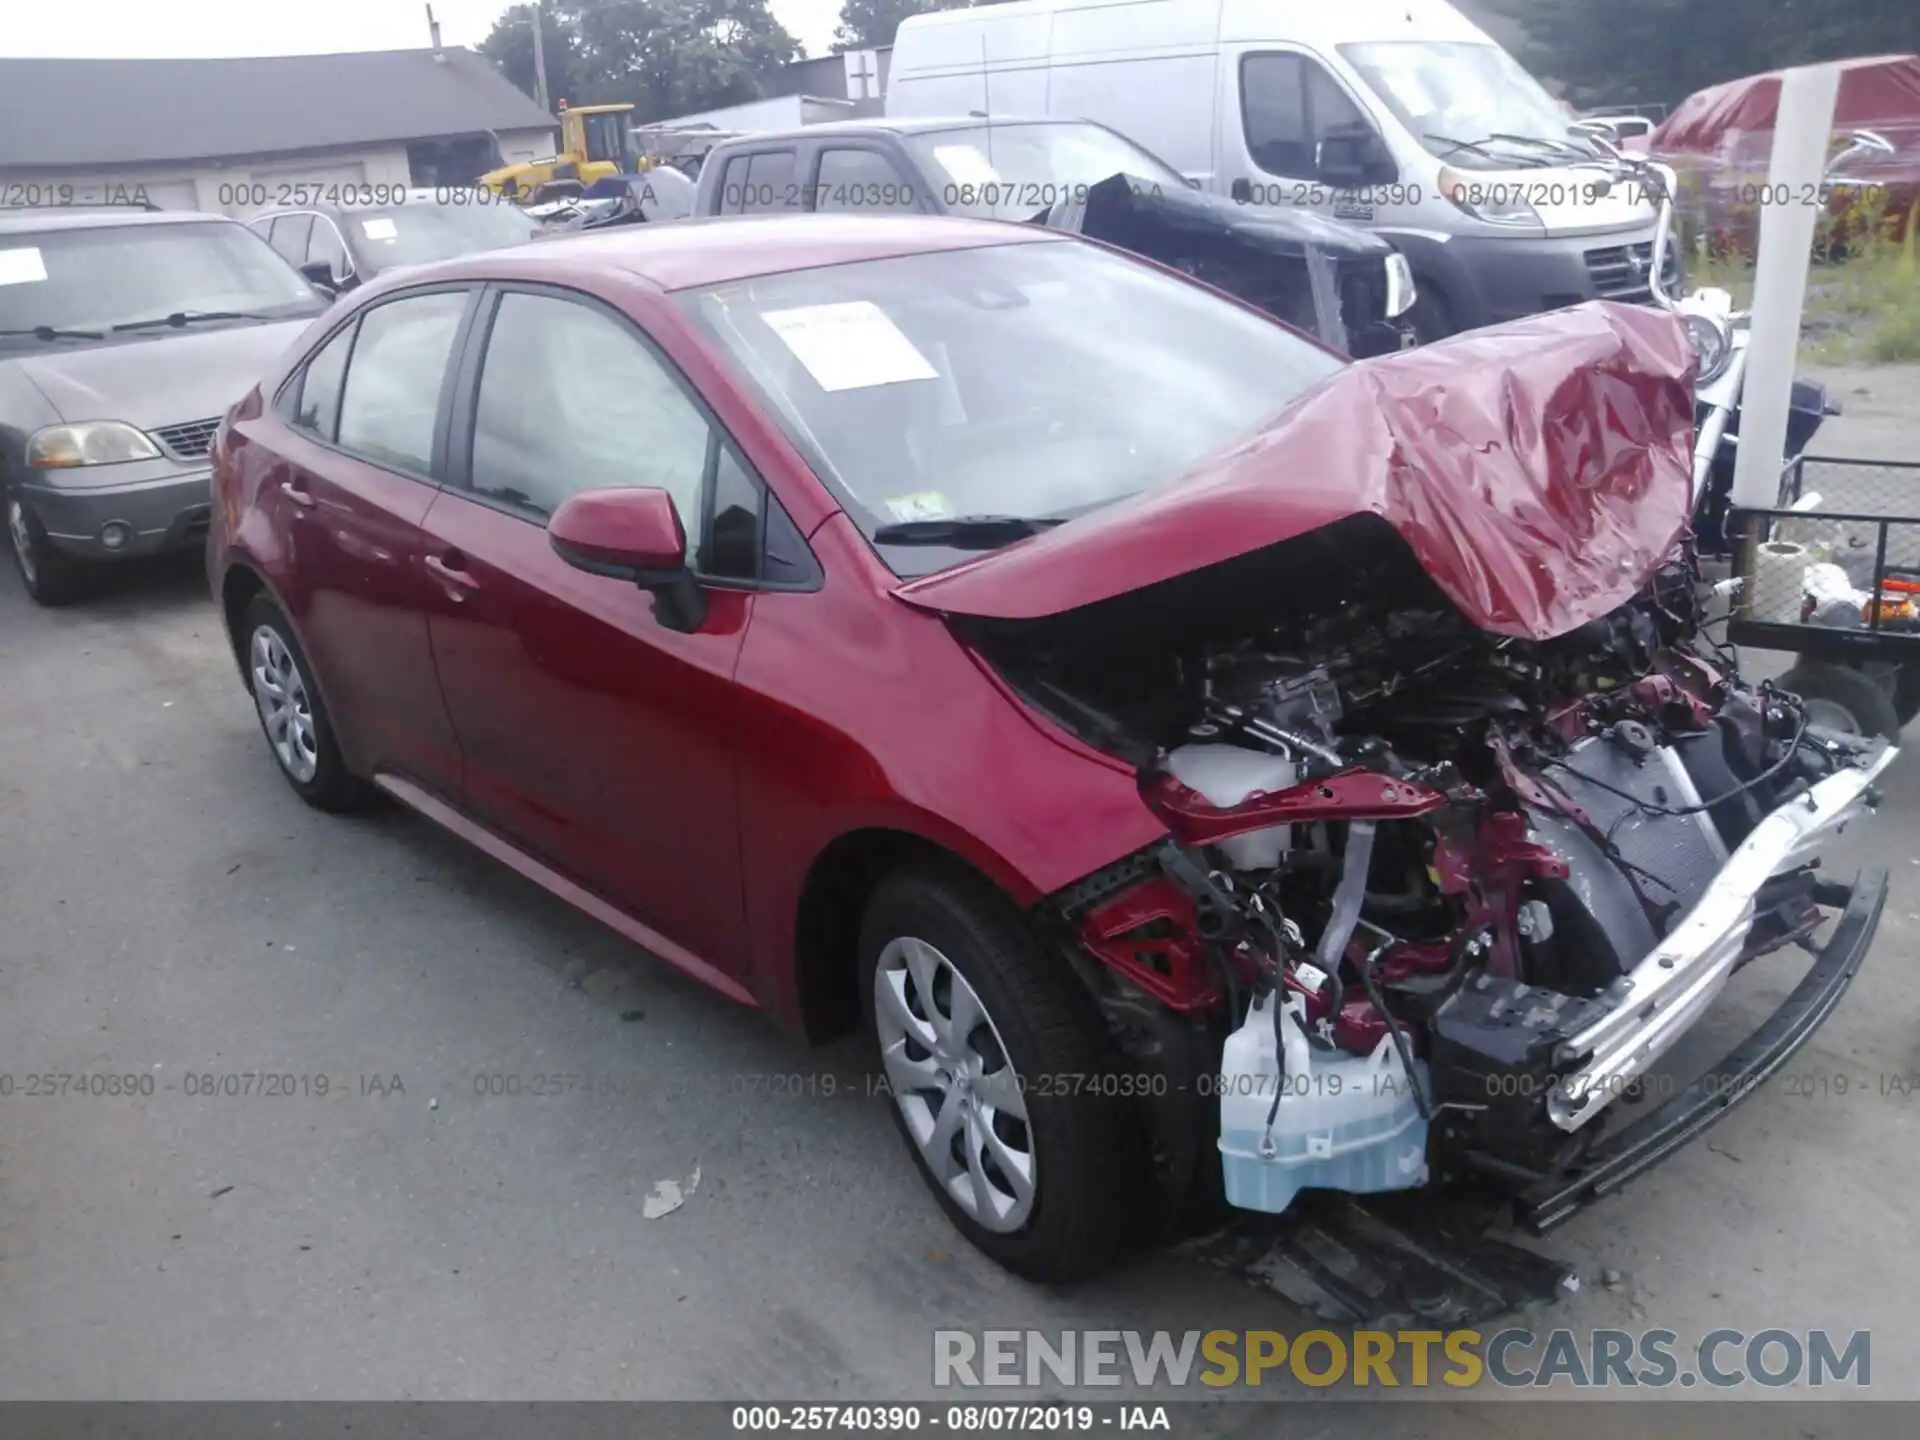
(1399, 115)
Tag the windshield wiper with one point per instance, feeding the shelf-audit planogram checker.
(181, 318)
(1559, 147)
(966, 532)
(1479, 147)
(52, 332)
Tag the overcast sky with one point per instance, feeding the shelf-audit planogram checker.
(119, 29)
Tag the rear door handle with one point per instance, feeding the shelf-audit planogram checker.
(296, 491)
(450, 570)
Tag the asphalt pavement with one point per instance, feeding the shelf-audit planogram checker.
(389, 1209)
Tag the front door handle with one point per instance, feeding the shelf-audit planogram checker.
(296, 490)
(450, 570)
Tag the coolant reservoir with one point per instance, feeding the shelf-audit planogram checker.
(1226, 775)
(1343, 1122)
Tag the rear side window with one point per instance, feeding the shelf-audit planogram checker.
(319, 407)
(769, 184)
(861, 180)
(392, 396)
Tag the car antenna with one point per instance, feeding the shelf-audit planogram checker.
(986, 98)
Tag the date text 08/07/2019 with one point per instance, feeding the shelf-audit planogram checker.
(910, 1416)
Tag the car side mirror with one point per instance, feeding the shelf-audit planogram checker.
(1241, 190)
(633, 535)
(1354, 157)
(320, 275)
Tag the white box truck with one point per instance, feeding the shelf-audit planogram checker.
(1399, 115)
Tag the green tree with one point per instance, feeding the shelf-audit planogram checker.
(672, 57)
(1661, 51)
(865, 24)
(667, 57)
(509, 45)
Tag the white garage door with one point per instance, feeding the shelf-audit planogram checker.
(295, 185)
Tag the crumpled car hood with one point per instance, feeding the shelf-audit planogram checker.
(1540, 471)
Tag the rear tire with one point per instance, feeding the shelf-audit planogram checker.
(292, 716)
(51, 577)
(1035, 1153)
(1844, 699)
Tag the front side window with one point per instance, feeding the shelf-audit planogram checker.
(93, 279)
(324, 244)
(392, 395)
(572, 400)
(1036, 380)
(289, 237)
(1014, 172)
(861, 180)
(1290, 108)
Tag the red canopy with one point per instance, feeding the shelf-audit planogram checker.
(1880, 92)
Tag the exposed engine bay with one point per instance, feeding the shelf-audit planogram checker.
(1433, 898)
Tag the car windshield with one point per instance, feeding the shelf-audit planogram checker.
(1013, 172)
(420, 233)
(91, 279)
(1024, 382)
(1454, 91)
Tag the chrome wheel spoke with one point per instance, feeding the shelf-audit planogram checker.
(1016, 1166)
(961, 1100)
(286, 714)
(1002, 1090)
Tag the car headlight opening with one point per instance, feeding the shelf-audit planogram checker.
(91, 442)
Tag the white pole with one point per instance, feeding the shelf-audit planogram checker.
(1794, 174)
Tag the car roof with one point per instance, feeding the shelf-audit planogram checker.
(900, 125)
(94, 217)
(714, 250)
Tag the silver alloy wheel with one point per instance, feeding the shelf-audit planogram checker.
(964, 1104)
(1831, 715)
(286, 709)
(22, 540)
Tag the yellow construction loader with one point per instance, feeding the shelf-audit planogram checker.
(595, 141)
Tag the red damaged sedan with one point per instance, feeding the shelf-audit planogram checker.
(1209, 769)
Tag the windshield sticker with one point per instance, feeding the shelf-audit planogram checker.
(849, 346)
(966, 165)
(379, 228)
(22, 267)
(926, 505)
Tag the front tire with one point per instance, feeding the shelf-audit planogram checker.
(293, 717)
(1840, 698)
(51, 577)
(1002, 1077)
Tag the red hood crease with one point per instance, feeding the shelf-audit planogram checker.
(1540, 471)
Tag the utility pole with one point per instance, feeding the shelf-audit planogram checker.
(539, 62)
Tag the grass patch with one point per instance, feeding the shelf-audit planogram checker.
(1861, 308)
